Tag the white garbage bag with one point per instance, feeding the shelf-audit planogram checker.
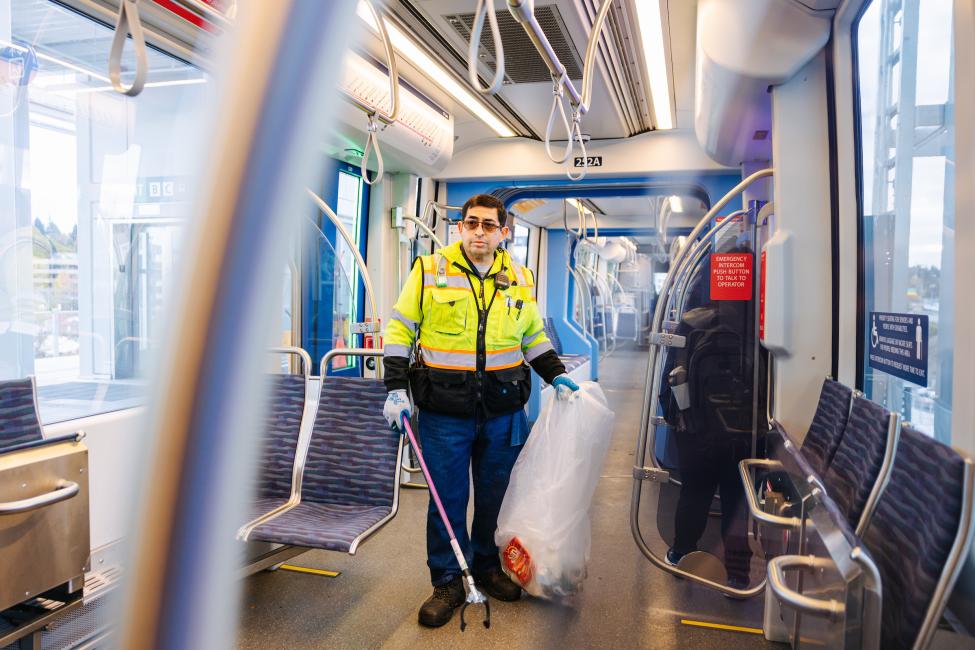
(543, 529)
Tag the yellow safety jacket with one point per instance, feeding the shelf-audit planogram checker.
(468, 337)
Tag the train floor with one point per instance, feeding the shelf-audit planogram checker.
(626, 602)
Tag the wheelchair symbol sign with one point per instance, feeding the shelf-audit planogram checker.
(899, 345)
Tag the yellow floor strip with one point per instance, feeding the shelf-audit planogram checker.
(720, 626)
(317, 572)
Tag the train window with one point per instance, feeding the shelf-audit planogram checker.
(905, 58)
(331, 284)
(93, 199)
(519, 245)
(348, 208)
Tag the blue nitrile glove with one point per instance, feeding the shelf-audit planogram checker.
(564, 386)
(397, 403)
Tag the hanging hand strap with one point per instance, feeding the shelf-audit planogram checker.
(128, 21)
(485, 9)
(576, 135)
(372, 143)
(558, 91)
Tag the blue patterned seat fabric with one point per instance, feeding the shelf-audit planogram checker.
(570, 361)
(828, 424)
(553, 336)
(350, 475)
(856, 464)
(282, 428)
(19, 421)
(913, 530)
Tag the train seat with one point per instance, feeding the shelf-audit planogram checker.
(916, 543)
(818, 448)
(856, 469)
(827, 426)
(19, 421)
(282, 431)
(349, 482)
(570, 361)
(847, 463)
(920, 536)
(44, 515)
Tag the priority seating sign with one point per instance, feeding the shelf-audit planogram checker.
(731, 276)
(898, 345)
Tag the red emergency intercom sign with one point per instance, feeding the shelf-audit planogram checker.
(731, 276)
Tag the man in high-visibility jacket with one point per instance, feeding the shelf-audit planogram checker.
(468, 316)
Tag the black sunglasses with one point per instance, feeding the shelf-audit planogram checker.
(488, 226)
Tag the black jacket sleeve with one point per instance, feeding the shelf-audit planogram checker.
(395, 373)
(547, 365)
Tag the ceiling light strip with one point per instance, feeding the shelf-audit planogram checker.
(412, 52)
(650, 21)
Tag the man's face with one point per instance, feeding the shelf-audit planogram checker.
(479, 244)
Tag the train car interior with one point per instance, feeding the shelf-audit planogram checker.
(237, 231)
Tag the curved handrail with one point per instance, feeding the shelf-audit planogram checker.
(63, 491)
(425, 228)
(686, 272)
(650, 392)
(485, 9)
(361, 263)
(830, 608)
(777, 521)
(883, 476)
(128, 21)
(391, 64)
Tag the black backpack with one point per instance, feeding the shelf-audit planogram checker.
(719, 376)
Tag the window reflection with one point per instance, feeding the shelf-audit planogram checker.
(93, 194)
(905, 57)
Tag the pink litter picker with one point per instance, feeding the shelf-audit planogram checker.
(473, 595)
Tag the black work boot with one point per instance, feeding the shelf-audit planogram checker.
(438, 609)
(496, 584)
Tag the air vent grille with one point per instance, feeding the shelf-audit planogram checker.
(522, 63)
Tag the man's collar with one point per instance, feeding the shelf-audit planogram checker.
(456, 254)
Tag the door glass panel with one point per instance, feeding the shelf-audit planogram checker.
(711, 391)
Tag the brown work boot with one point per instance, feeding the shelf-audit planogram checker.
(438, 609)
(496, 584)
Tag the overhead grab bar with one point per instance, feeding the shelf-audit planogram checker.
(128, 21)
(524, 12)
(485, 9)
(372, 126)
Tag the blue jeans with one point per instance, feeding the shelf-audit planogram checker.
(452, 447)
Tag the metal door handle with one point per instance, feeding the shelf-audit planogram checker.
(830, 609)
(65, 490)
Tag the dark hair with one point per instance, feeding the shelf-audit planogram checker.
(485, 201)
